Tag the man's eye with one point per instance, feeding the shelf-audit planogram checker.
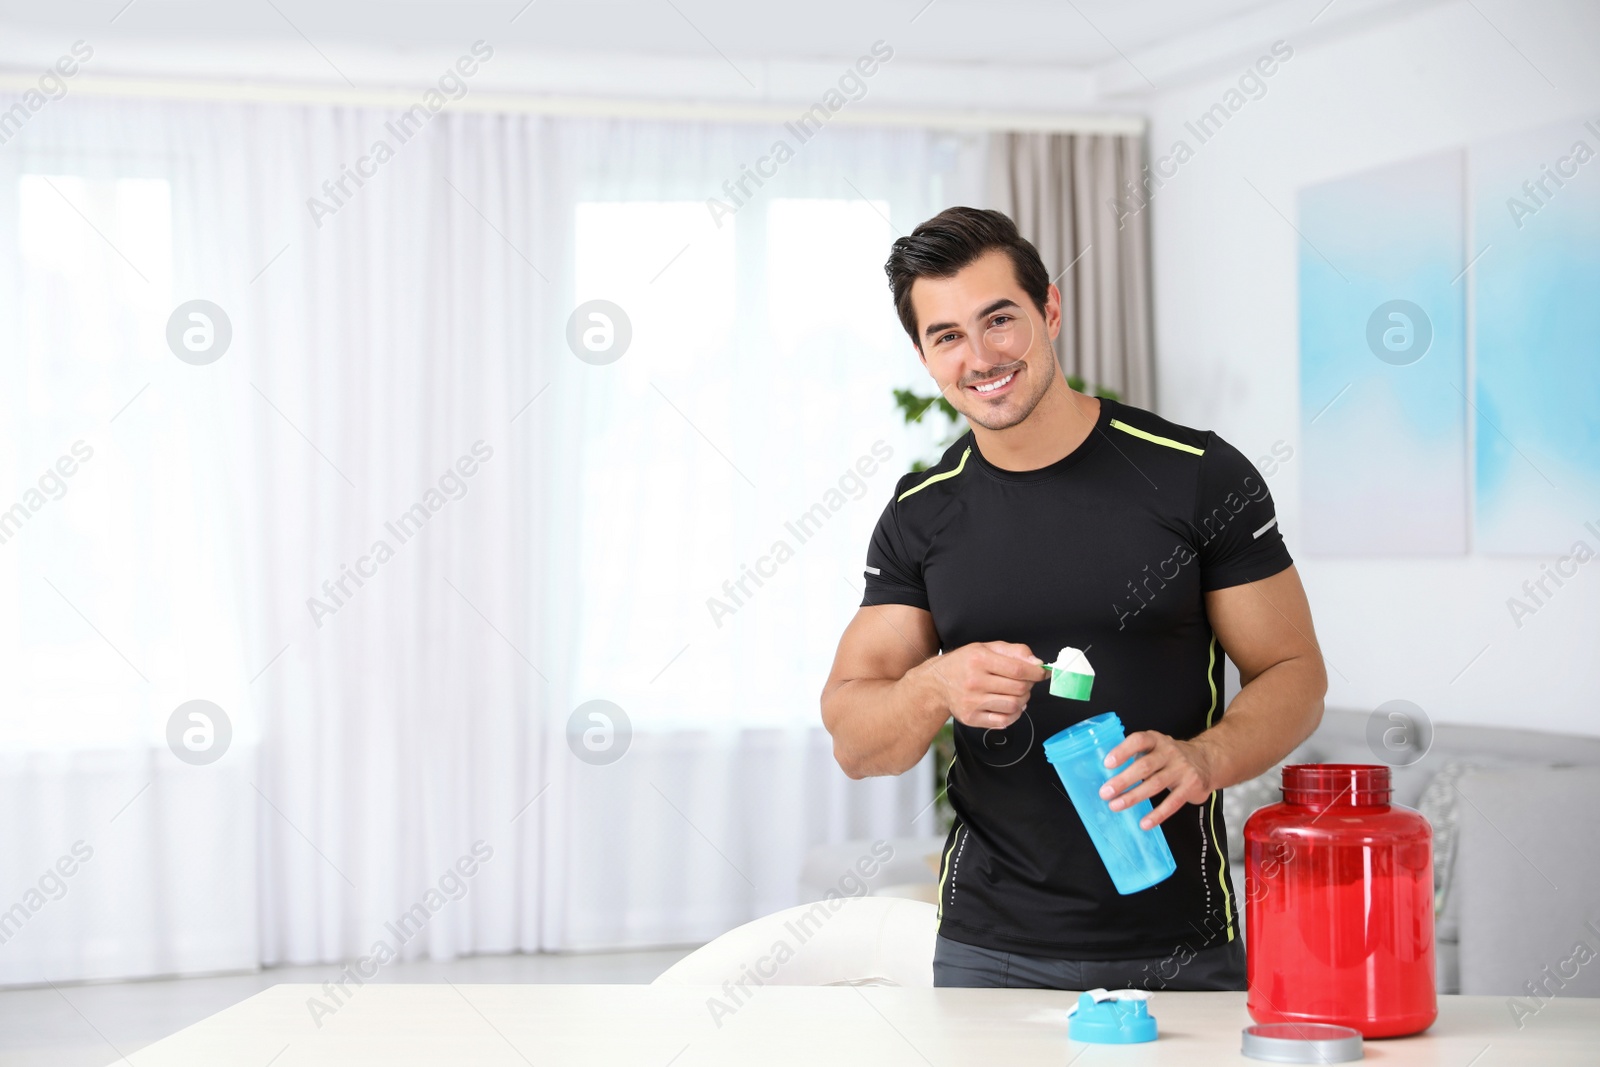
(943, 338)
(1000, 320)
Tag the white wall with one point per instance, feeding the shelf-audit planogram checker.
(1227, 332)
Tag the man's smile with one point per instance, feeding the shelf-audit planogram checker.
(990, 387)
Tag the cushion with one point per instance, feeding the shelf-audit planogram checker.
(1439, 805)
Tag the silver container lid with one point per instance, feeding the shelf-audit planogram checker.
(1301, 1043)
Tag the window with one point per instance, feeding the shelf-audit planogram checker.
(760, 371)
(109, 504)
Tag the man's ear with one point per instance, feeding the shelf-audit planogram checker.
(1052, 312)
(919, 353)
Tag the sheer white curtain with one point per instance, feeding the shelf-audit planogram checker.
(722, 509)
(494, 531)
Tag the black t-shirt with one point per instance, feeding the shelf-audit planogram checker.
(1109, 550)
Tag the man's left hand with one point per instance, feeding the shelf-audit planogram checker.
(1183, 768)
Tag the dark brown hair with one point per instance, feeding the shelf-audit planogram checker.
(951, 240)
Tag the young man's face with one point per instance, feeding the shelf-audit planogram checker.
(984, 342)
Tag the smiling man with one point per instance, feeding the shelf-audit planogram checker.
(1063, 520)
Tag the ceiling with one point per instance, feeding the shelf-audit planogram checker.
(1104, 49)
(987, 31)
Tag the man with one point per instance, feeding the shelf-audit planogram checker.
(1065, 520)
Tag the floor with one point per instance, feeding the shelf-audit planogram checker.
(93, 1025)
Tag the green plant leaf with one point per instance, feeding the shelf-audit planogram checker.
(912, 406)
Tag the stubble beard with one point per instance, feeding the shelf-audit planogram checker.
(1008, 415)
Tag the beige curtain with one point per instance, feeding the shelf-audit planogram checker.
(1063, 190)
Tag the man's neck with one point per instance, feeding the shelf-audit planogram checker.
(1063, 420)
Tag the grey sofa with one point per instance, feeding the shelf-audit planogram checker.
(1516, 847)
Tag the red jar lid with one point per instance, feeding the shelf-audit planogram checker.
(1326, 785)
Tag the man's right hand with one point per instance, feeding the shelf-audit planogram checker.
(986, 684)
(890, 691)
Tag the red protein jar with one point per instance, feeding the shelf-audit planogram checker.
(1339, 904)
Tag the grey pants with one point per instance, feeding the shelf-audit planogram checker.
(1218, 967)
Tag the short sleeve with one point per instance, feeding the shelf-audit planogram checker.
(1236, 523)
(893, 576)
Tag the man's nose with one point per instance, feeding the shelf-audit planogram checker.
(1000, 345)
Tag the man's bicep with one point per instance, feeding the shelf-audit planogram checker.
(884, 641)
(1263, 623)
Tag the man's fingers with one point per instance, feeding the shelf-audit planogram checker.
(1144, 767)
(1003, 704)
(982, 719)
(1143, 791)
(1012, 650)
(1132, 745)
(1007, 666)
(998, 685)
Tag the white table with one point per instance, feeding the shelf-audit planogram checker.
(653, 1026)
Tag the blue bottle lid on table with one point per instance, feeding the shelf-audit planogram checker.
(1121, 1018)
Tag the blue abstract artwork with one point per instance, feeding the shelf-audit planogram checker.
(1536, 302)
(1383, 361)
(1450, 350)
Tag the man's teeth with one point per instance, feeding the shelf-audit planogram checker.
(989, 387)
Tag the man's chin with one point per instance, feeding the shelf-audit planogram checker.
(999, 419)
(1003, 416)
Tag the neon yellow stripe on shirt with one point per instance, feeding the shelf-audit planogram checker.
(937, 477)
(944, 872)
(1220, 849)
(1169, 442)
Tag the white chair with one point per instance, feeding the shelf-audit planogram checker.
(844, 941)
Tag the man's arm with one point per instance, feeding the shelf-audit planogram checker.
(1265, 627)
(890, 691)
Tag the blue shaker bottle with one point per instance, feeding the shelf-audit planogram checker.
(1136, 859)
